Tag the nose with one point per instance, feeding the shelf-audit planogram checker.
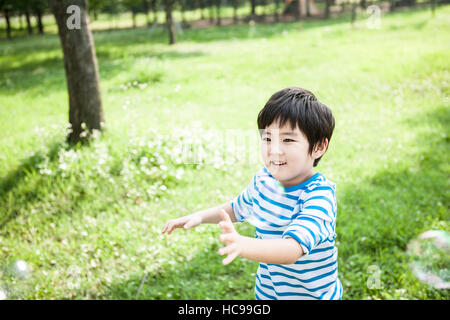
(275, 148)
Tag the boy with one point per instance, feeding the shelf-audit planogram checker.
(292, 208)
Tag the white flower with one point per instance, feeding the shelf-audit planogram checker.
(45, 171)
(144, 161)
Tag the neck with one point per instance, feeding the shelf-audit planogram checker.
(299, 179)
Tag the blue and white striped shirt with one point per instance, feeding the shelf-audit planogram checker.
(305, 212)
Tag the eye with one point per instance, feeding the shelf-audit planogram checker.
(266, 139)
(288, 140)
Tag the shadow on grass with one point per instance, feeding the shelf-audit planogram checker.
(28, 165)
(27, 187)
(241, 31)
(201, 277)
(18, 177)
(379, 217)
(43, 76)
(46, 74)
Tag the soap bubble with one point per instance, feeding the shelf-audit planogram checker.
(15, 279)
(21, 269)
(3, 295)
(430, 258)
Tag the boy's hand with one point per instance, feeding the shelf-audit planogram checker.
(230, 237)
(187, 222)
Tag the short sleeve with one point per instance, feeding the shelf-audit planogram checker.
(315, 224)
(243, 203)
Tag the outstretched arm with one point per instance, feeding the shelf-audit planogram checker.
(211, 215)
(274, 251)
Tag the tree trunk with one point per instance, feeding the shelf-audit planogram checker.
(298, 9)
(276, 15)
(392, 6)
(27, 18)
(219, 20)
(155, 11)
(211, 11)
(8, 24)
(39, 21)
(353, 12)
(133, 18)
(80, 62)
(202, 8)
(235, 7)
(327, 8)
(253, 6)
(146, 10)
(20, 22)
(169, 21)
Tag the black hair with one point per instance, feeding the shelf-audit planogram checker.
(302, 109)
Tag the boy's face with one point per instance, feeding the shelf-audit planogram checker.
(290, 147)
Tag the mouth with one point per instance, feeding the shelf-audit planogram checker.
(278, 163)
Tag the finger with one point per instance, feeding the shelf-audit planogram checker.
(224, 215)
(230, 258)
(228, 249)
(227, 227)
(170, 228)
(227, 237)
(164, 229)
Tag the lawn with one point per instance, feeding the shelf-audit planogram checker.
(87, 220)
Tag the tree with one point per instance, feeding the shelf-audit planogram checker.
(253, 8)
(219, 19)
(211, 11)
(154, 6)
(135, 6)
(24, 8)
(354, 5)
(168, 4)
(276, 15)
(39, 7)
(80, 62)
(6, 6)
(95, 6)
(327, 8)
(201, 6)
(298, 9)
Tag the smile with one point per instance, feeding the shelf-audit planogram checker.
(278, 163)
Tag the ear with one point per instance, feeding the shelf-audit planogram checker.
(320, 149)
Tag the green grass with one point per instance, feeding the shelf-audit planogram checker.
(88, 220)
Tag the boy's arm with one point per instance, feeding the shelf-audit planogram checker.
(213, 215)
(273, 251)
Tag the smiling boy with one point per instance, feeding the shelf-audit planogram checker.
(292, 208)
